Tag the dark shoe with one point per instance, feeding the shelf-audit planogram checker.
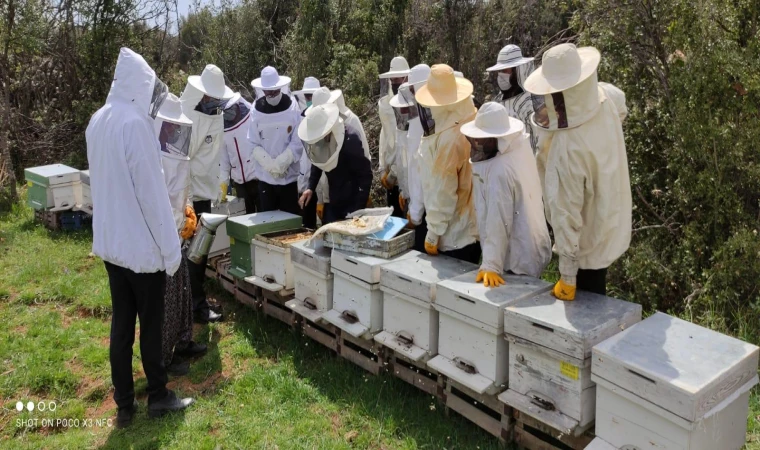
(192, 350)
(125, 415)
(178, 368)
(168, 404)
(207, 317)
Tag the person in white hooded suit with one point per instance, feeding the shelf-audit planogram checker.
(390, 82)
(237, 162)
(273, 132)
(583, 164)
(202, 101)
(507, 191)
(133, 229)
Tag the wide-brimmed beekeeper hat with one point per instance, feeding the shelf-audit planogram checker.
(509, 56)
(211, 83)
(492, 121)
(562, 67)
(399, 68)
(270, 80)
(318, 123)
(443, 88)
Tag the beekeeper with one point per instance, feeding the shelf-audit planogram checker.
(410, 195)
(303, 97)
(585, 169)
(336, 151)
(174, 130)
(510, 71)
(276, 148)
(445, 104)
(390, 82)
(237, 161)
(133, 229)
(511, 223)
(202, 101)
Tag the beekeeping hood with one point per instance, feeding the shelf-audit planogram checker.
(136, 83)
(322, 132)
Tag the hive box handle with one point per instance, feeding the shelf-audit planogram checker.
(642, 376)
(543, 327)
(466, 299)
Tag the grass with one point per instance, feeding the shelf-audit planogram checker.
(259, 386)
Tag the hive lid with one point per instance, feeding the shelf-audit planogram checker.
(364, 267)
(246, 227)
(51, 175)
(485, 305)
(84, 176)
(417, 277)
(680, 367)
(571, 328)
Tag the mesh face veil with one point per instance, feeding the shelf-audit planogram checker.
(211, 106)
(483, 149)
(175, 138)
(234, 114)
(402, 118)
(322, 150)
(160, 92)
(550, 110)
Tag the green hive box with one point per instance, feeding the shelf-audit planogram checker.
(56, 187)
(242, 229)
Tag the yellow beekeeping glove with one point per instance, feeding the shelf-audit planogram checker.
(223, 197)
(490, 279)
(431, 244)
(191, 221)
(409, 224)
(384, 181)
(402, 202)
(320, 210)
(564, 291)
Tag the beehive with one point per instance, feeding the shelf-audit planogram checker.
(550, 345)
(55, 187)
(669, 384)
(471, 346)
(410, 323)
(242, 230)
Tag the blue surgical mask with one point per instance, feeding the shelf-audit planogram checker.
(308, 103)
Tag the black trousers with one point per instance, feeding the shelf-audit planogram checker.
(136, 295)
(420, 231)
(392, 198)
(273, 197)
(198, 271)
(309, 212)
(592, 281)
(471, 253)
(249, 191)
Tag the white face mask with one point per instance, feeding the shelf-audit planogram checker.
(274, 101)
(503, 80)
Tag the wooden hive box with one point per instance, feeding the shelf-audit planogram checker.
(242, 230)
(273, 266)
(410, 323)
(550, 345)
(313, 280)
(55, 187)
(86, 205)
(669, 384)
(357, 298)
(471, 346)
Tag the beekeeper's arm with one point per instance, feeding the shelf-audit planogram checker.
(387, 142)
(441, 201)
(143, 162)
(617, 96)
(224, 171)
(416, 206)
(260, 156)
(294, 150)
(497, 229)
(362, 171)
(565, 206)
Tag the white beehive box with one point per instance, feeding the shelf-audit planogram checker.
(234, 206)
(273, 266)
(599, 444)
(669, 384)
(410, 323)
(56, 187)
(550, 345)
(313, 280)
(471, 347)
(357, 298)
(86, 198)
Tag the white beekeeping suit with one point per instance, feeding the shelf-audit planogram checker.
(277, 149)
(411, 190)
(582, 156)
(444, 161)
(236, 161)
(507, 191)
(202, 101)
(389, 83)
(174, 131)
(133, 226)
